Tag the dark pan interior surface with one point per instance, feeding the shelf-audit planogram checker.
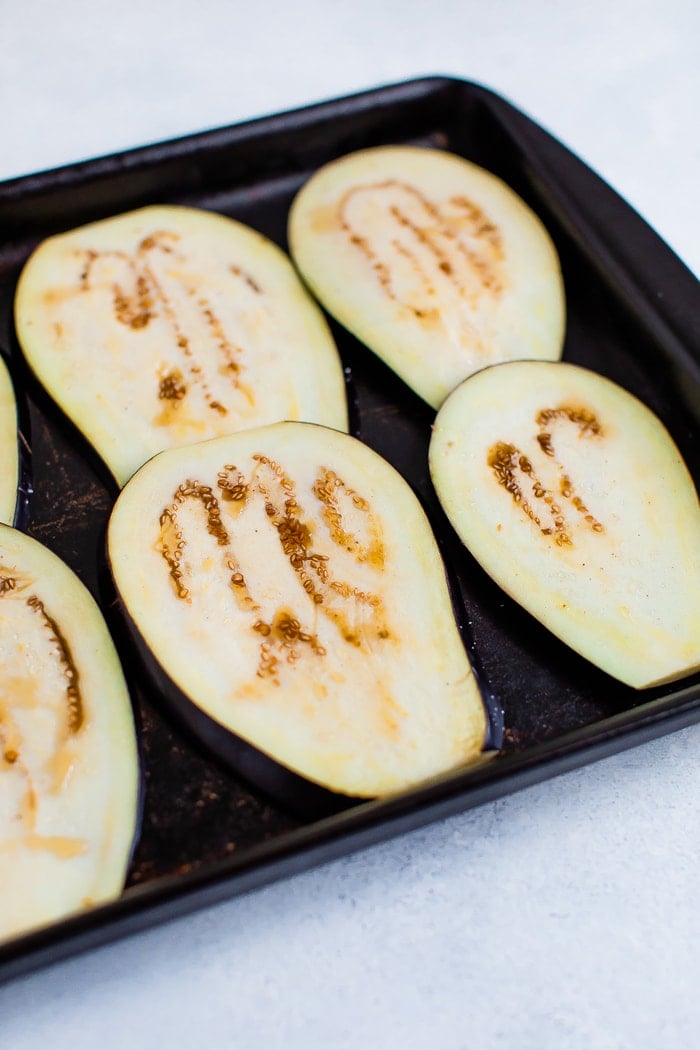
(632, 311)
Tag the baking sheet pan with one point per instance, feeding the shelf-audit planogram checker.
(632, 315)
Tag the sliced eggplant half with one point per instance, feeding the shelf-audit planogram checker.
(9, 476)
(433, 262)
(68, 763)
(574, 498)
(169, 325)
(288, 592)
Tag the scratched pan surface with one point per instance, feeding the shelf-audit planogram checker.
(631, 306)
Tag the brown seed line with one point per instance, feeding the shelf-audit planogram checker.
(506, 461)
(183, 343)
(293, 534)
(435, 225)
(583, 418)
(232, 484)
(7, 584)
(269, 481)
(172, 552)
(483, 270)
(481, 227)
(76, 712)
(239, 272)
(137, 310)
(589, 425)
(172, 386)
(327, 488)
(284, 631)
(226, 348)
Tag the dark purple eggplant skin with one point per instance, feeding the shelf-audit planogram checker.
(298, 795)
(25, 483)
(25, 486)
(302, 798)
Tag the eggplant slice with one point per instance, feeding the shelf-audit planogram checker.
(169, 325)
(573, 497)
(9, 477)
(68, 761)
(431, 261)
(288, 589)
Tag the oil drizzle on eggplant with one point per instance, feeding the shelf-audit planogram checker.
(432, 259)
(287, 633)
(515, 472)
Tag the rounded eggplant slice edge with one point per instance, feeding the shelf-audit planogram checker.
(287, 583)
(433, 262)
(10, 477)
(169, 325)
(574, 498)
(68, 758)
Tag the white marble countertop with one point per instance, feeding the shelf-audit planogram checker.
(564, 916)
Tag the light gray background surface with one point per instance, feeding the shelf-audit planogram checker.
(565, 916)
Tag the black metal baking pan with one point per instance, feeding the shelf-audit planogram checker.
(633, 312)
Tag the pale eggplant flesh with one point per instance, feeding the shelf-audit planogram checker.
(573, 496)
(10, 473)
(433, 262)
(289, 595)
(169, 325)
(69, 772)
